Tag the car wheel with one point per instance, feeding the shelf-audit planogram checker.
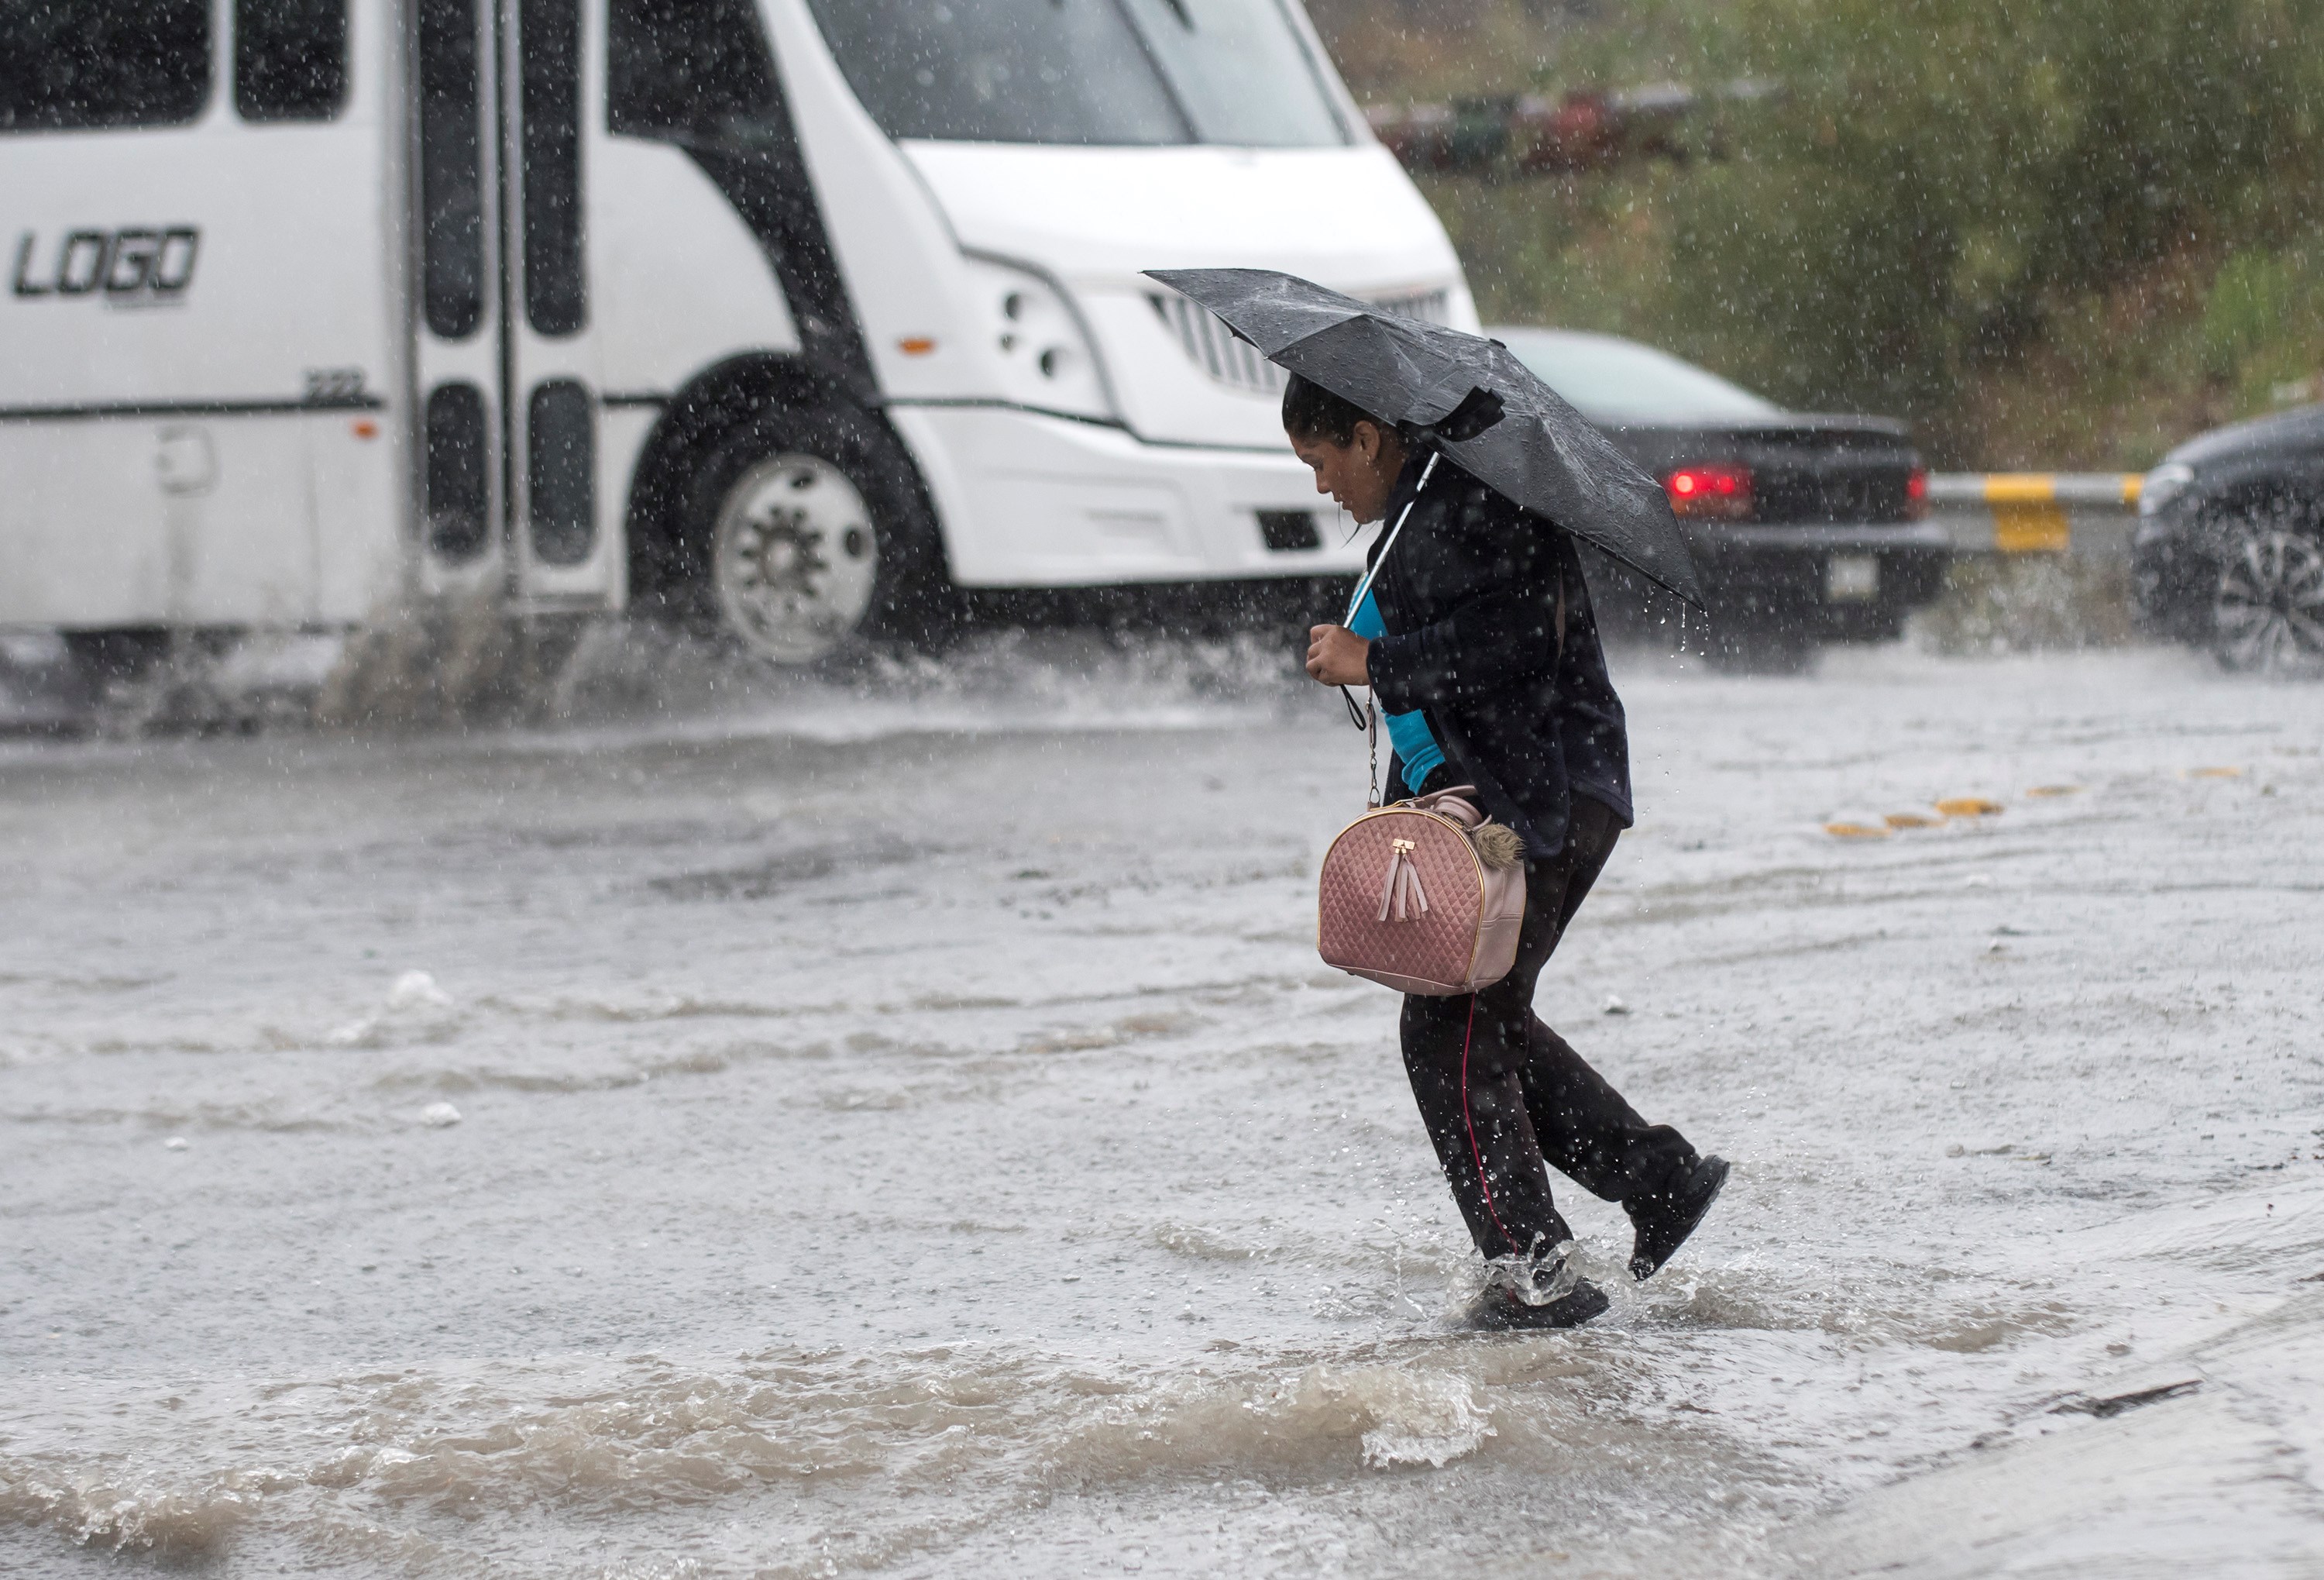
(2268, 610)
(805, 538)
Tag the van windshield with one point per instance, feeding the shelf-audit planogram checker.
(1119, 72)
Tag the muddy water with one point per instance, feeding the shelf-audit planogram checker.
(904, 1130)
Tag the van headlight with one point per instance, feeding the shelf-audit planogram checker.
(1037, 340)
(2166, 482)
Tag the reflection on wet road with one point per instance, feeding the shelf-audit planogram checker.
(905, 1129)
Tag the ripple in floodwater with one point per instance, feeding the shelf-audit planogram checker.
(870, 1459)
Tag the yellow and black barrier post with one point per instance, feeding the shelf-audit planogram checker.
(2036, 512)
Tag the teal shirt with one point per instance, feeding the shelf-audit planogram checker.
(1416, 748)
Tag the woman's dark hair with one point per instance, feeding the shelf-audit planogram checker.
(1312, 412)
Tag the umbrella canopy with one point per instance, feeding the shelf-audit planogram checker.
(1478, 403)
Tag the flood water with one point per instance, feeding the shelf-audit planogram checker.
(905, 1129)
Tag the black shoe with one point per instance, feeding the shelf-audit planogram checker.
(1665, 1219)
(1500, 1311)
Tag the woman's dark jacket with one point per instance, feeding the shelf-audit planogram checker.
(1470, 600)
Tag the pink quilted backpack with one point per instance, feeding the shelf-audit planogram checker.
(1425, 896)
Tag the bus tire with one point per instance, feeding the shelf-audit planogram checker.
(804, 537)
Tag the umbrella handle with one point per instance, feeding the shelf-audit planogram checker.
(1380, 558)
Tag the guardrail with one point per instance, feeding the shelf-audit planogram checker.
(2036, 512)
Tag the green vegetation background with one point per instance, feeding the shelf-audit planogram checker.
(2064, 234)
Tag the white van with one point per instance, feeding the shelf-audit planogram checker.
(791, 315)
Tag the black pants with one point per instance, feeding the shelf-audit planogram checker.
(1501, 1092)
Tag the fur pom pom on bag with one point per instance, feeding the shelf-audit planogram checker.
(1498, 846)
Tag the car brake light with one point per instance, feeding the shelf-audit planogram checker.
(1916, 494)
(1720, 494)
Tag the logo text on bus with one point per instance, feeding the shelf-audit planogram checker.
(134, 263)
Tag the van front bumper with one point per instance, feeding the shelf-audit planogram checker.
(1032, 499)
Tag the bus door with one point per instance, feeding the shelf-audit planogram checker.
(504, 356)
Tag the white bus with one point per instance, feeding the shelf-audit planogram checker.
(788, 316)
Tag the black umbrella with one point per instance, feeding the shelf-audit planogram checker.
(1467, 394)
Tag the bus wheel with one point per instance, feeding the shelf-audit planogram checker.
(809, 538)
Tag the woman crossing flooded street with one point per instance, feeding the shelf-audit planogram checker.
(1476, 639)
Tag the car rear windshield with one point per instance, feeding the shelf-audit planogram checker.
(1111, 72)
(1618, 382)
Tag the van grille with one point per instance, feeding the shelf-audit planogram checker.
(1212, 347)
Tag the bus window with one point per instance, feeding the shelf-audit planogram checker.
(290, 59)
(556, 300)
(561, 471)
(85, 63)
(451, 180)
(1119, 72)
(688, 70)
(456, 496)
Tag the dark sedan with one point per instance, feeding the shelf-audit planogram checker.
(2229, 552)
(1806, 528)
